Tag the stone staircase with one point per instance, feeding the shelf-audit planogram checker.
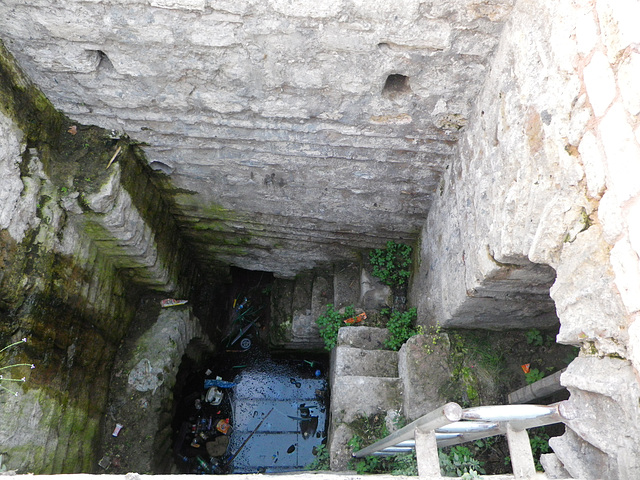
(364, 381)
(297, 303)
(364, 377)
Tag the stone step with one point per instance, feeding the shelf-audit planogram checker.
(350, 361)
(357, 396)
(369, 338)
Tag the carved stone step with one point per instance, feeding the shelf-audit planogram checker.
(350, 361)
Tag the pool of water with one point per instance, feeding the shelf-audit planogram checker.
(279, 415)
(276, 406)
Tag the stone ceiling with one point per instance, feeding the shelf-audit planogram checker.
(294, 131)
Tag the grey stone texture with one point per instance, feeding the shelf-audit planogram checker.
(423, 375)
(364, 382)
(152, 364)
(541, 200)
(351, 361)
(514, 151)
(370, 338)
(272, 118)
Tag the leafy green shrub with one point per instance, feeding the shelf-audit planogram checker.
(330, 322)
(401, 328)
(533, 375)
(534, 337)
(322, 458)
(459, 462)
(539, 441)
(392, 265)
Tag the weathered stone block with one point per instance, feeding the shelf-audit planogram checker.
(370, 338)
(356, 396)
(425, 372)
(604, 395)
(351, 361)
(623, 153)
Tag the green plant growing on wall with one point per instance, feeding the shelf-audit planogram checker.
(459, 462)
(392, 265)
(401, 328)
(6, 367)
(330, 322)
(534, 337)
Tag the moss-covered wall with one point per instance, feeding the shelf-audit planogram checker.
(60, 288)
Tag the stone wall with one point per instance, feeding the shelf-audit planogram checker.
(78, 243)
(545, 186)
(298, 133)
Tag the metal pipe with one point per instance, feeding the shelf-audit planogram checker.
(506, 413)
(232, 458)
(466, 427)
(451, 412)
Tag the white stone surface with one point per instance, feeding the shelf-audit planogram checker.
(626, 267)
(628, 80)
(525, 187)
(622, 151)
(604, 399)
(618, 24)
(179, 4)
(600, 83)
(586, 31)
(594, 164)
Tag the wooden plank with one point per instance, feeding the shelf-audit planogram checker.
(427, 454)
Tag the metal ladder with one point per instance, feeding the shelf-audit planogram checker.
(452, 425)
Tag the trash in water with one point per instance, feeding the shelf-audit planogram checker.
(245, 343)
(223, 426)
(105, 462)
(308, 427)
(116, 430)
(172, 302)
(218, 382)
(214, 396)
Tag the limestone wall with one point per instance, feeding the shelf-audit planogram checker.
(272, 117)
(77, 245)
(546, 182)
